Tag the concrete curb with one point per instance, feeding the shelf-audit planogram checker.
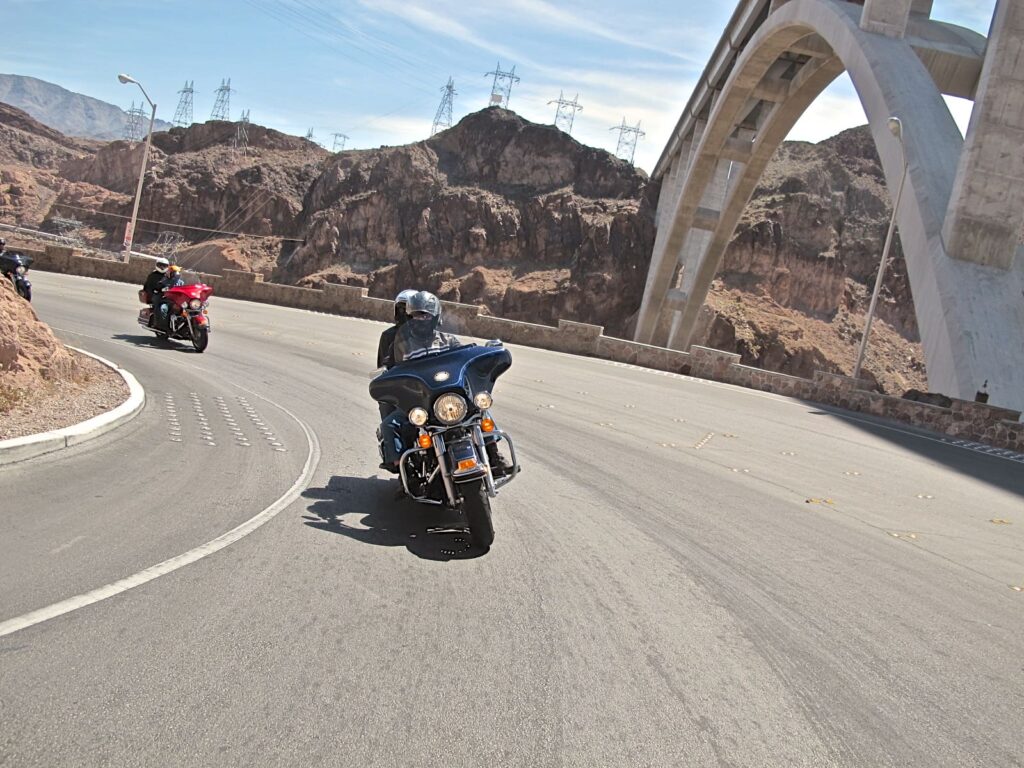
(21, 448)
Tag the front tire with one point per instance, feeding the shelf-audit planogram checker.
(200, 338)
(26, 292)
(476, 505)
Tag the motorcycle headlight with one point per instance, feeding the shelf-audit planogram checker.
(450, 408)
(195, 304)
(19, 270)
(483, 400)
(418, 416)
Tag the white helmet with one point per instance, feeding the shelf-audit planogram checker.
(401, 301)
(162, 265)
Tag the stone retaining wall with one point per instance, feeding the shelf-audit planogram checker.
(967, 420)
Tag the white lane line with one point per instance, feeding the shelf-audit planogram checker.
(168, 566)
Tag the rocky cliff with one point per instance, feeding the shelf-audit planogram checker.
(496, 211)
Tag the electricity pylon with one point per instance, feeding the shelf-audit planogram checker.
(566, 112)
(183, 114)
(628, 136)
(133, 127)
(242, 133)
(222, 106)
(501, 90)
(443, 118)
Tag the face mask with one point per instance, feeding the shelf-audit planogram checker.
(422, 327)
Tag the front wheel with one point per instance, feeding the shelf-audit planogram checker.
(476, 505)
(200, 338)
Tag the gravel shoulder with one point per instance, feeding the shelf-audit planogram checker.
(60, 404)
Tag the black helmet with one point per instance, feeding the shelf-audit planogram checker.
(401, 313)
(424, 310)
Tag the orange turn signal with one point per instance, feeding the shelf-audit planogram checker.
(466, 464)
(487, 425)
(425, 441)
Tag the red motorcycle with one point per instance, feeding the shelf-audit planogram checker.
(187, 317)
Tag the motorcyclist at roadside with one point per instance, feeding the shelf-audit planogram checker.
(154, 278)
(172, 279)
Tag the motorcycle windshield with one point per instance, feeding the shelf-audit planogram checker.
(467, 370)
(181, 293)
(9, 261)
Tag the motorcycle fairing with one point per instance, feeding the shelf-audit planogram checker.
(467, 370)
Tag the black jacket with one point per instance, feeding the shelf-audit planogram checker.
(152, 282)
(386, 347)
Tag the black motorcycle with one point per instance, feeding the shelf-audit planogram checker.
(452, 456)
(13, 266)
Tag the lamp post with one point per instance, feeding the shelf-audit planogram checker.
(130, 232)
(896, 128)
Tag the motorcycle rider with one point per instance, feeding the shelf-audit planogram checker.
(385, 347)
(153, 279)
(413, 338)
(172, 279)
(418, 336)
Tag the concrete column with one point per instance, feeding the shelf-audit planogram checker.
(663, 265)
(698, 240)
(886, 17)
(986, 210)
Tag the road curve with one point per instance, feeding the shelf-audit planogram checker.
(686, 573)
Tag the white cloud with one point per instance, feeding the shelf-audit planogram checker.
(544, 13)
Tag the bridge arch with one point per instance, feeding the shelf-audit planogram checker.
(797, 49)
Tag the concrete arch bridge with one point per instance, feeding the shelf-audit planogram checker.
(962, 206)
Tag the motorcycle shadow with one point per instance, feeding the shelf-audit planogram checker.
(365, 509)
(153, 341)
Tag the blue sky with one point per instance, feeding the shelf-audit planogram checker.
(374, 69)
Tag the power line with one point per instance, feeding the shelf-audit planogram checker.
(566, 112)
(501, 90)
(180, 226)
(183, 114)
(443, 117)
(628, 136)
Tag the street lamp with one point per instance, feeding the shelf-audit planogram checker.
(896, 128)
(130, 232)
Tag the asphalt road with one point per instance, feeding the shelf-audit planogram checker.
(685, 573)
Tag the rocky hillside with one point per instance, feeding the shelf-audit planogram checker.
(73, 114)
(498, 211)
(795, 283)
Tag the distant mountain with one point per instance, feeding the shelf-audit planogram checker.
(73, 114)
